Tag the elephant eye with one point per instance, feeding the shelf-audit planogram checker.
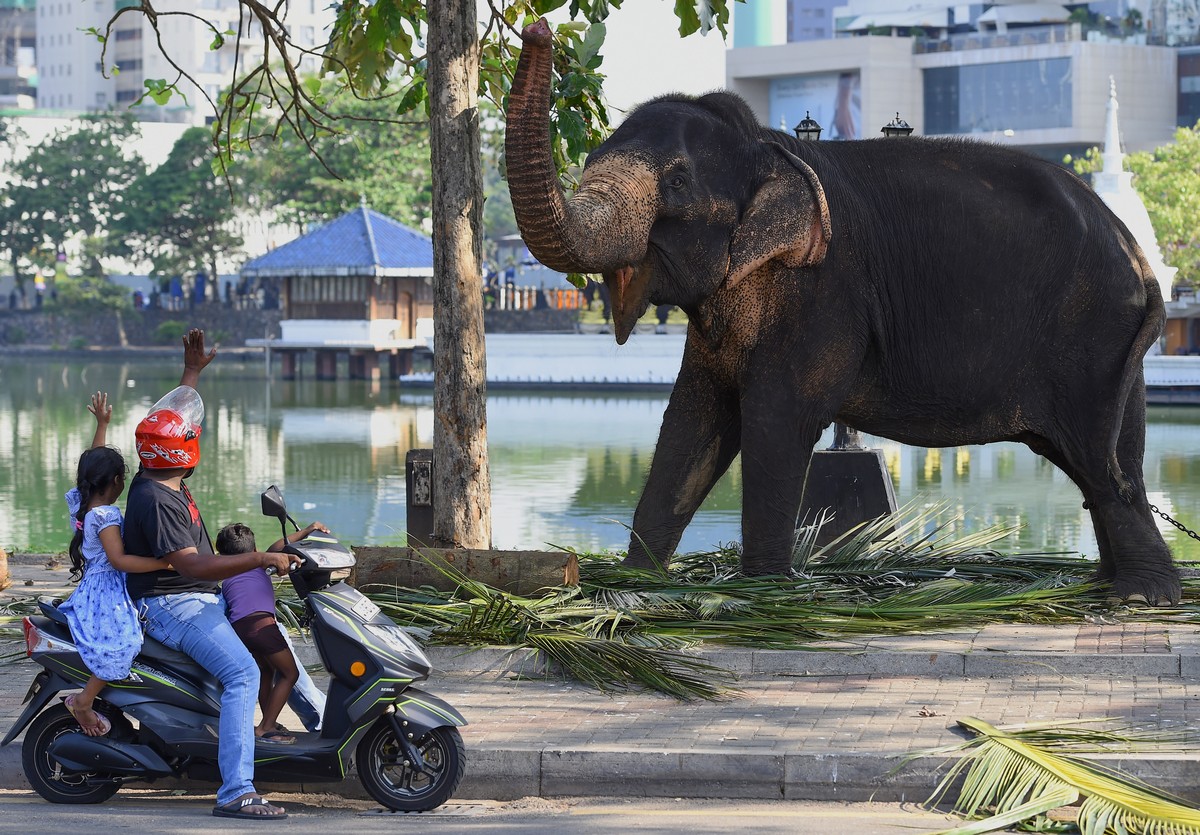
(675, 182)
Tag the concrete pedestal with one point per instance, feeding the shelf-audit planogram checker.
(852, 483)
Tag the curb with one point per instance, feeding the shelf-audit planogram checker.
(768, 663)
(513, 773)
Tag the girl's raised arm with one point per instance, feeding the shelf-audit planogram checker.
(114, 549)
(103, 412)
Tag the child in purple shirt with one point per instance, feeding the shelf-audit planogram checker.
(250, 604)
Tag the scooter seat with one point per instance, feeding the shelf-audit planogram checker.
(161, 652)
(49, 608)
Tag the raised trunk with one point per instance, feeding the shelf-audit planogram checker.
(537, 198)
(606, 225)
(463, 514)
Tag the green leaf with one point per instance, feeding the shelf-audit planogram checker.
(159, 90)
(689, 21)
(218, 41)
(592, 41)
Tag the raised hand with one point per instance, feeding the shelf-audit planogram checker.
(102, 411)
(195, 358)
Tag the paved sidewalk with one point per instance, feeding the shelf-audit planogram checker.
(807, 725)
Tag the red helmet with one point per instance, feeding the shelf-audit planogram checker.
(169, 436)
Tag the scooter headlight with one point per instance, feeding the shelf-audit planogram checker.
(397, 640)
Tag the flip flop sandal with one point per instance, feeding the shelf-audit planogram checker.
(238, 809)
(278, 737)
(102, 724)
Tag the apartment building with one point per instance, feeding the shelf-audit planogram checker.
(72, 78)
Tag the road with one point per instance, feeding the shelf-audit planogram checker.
(159, 811)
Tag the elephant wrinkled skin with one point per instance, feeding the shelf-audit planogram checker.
(938, 292)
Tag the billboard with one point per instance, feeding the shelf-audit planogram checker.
(834, 99)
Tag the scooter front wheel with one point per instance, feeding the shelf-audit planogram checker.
(46, 775)
(393, 781)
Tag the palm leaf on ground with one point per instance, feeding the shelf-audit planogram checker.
(1017, 781)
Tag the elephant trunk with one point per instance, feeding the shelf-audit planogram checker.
(606, 225)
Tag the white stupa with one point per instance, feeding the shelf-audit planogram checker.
(1115, 186)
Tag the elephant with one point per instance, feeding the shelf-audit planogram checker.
(936, 291)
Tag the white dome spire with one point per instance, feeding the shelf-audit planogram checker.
(1114, 185)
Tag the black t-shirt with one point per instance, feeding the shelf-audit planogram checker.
(160, 521)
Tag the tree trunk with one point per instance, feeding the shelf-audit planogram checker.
(122, 337)
(462, 510)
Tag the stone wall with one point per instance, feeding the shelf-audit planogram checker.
(222, 324)
(530, 321)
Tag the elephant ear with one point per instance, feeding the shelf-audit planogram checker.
(787, 218)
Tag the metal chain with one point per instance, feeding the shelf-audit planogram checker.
(1177, 524)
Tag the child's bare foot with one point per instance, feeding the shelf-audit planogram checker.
(90, 722)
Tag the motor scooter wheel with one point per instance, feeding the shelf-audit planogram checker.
(46, 775)
(395, 783)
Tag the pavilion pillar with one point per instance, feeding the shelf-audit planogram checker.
(364, 365)
(399, 362)
(326, 365)
(288, 365)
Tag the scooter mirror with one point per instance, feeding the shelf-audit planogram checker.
(272, 503)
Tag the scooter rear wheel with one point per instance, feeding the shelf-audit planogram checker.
(393, 782)
(44, 772)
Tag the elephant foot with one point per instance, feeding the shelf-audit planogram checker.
(1159, 589)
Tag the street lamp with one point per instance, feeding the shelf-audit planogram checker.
(808, 129)
(847, 478)
(896, 127)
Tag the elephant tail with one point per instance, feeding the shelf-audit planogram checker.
(1147, 335)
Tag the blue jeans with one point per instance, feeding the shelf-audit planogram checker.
(306, 699)
(195, 624)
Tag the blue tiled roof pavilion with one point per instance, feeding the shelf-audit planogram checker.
(360, 242)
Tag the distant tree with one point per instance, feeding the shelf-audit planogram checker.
(71, 184)
(376, 156)
(1168, 181)
(178, 216)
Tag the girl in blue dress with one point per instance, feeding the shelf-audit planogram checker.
(104, 622)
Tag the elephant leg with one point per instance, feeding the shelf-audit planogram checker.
(699, 439)
(1106, 566)
(1134, 558)
(1141, 565)
(776, 452)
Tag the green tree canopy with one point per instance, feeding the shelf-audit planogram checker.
(373, 155)
(178, 216)
(1168, 181)
(72, 183)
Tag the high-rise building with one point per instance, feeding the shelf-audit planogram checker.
(1022, 73)
(18, 73)
(71, 75)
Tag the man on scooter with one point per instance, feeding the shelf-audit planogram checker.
(182, 605)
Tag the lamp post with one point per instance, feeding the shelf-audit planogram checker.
(847, 478)
(896, 127)
(808, 129)
(843, 436)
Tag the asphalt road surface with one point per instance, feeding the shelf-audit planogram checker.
(138, 811)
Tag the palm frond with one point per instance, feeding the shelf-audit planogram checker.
(1018, 781)
(615, 665)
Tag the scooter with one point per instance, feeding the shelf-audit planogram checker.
(407, 748)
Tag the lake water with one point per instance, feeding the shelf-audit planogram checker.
(567, 469)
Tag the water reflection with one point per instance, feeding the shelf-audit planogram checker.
(566, 470)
